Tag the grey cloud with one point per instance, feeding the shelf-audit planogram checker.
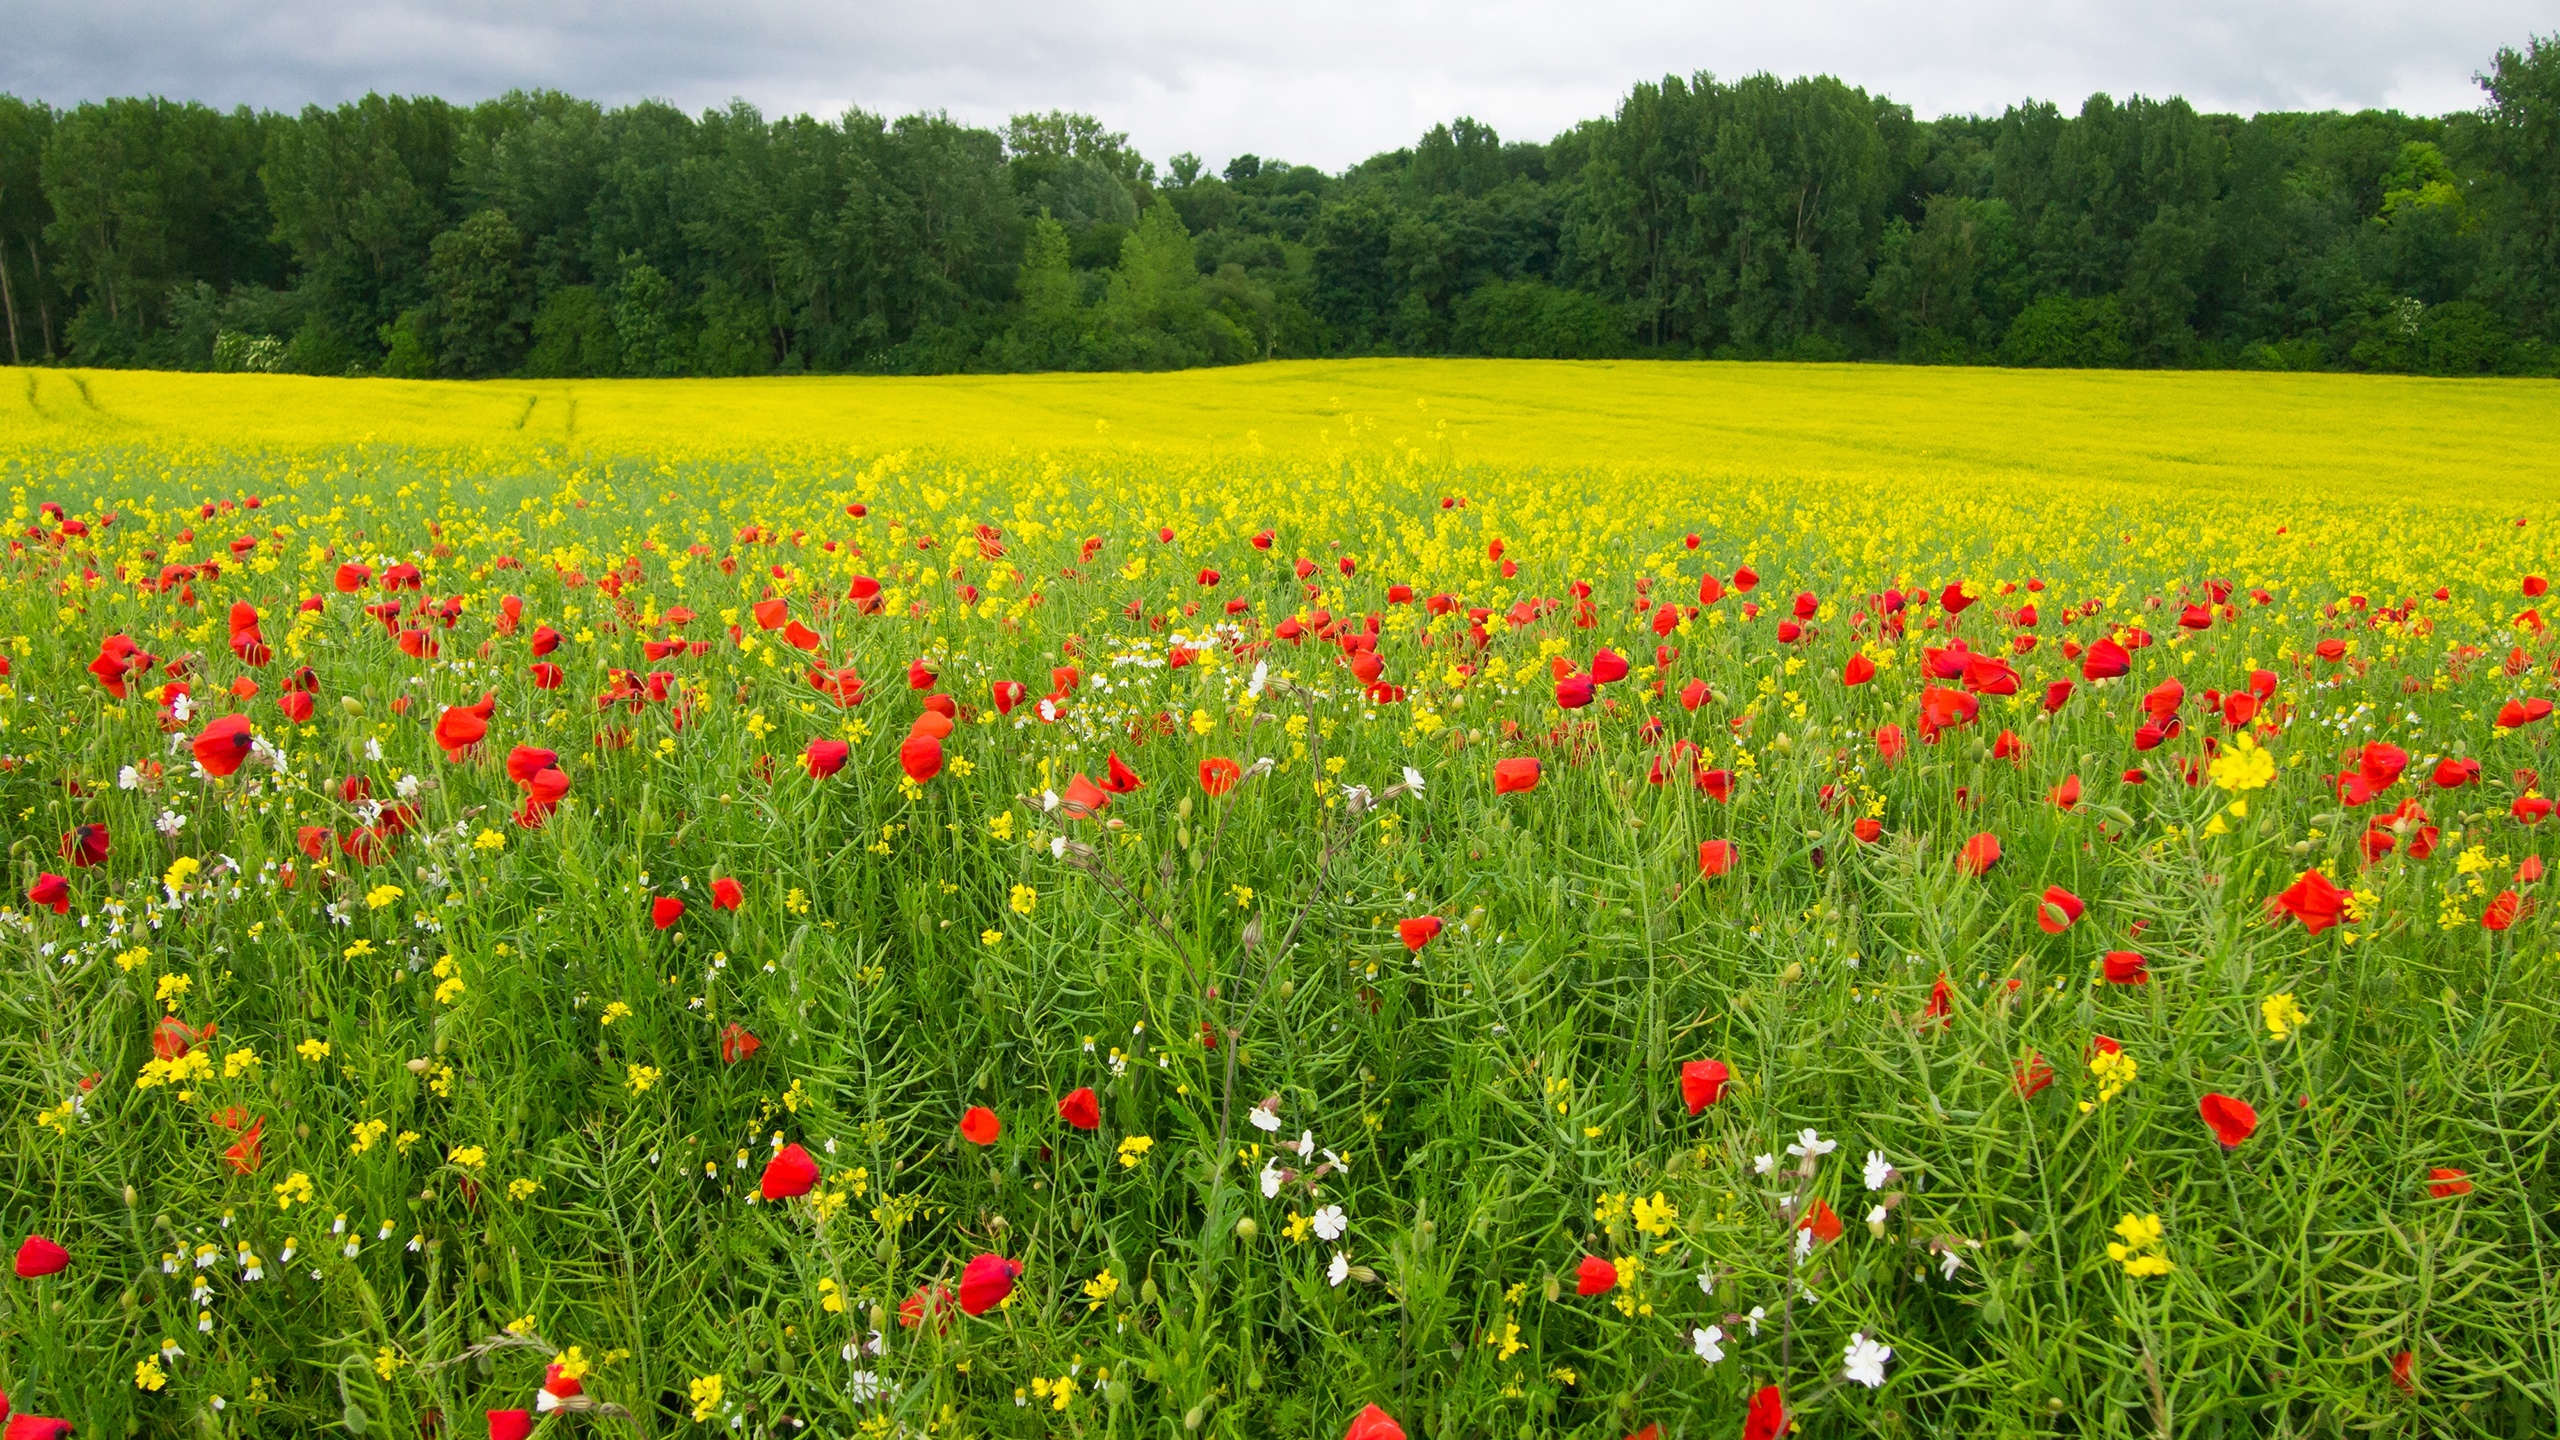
(1327, 81)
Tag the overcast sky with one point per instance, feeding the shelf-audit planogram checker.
(1319, 81)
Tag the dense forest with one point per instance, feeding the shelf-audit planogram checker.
(543, 235)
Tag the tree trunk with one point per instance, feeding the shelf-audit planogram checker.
(44, 313)
(9, 303)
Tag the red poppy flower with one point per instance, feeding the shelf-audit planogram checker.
(295, 705)
(1979, 854)
(2056, 695)
(37, 1427)
(790, 1172)
(1373, 1423)
(1515, 776)
(2066, 796)
(927, 1303)
(1218, 774)
(1573, 692)
(1824, 1224)
(2033, 1076)
(737, 1043)
(224, 744)
(727, 894)
(1695, 694)
(39, 1257)
(825, 757)
(1595, 1276)
(1119, 779)
(526, 761)
(2381, 764)
(1080, 1109)
(985, 1283)
(1718, 784)
(1608, 667)
(2313, 901)
(547, 676)
(1419, 931)
(543, 794)
(2232, 1120)
(2530, 810)
(1858, 671)
(1006, 694)
(2452, 772)
(1867, 829)
(979, 1125)
(1941, 1006)
(2126, 967)
(53, 892)
(921, 757)
(2059, 910)
(1715, 857)
(1942, 709)
(2445, 1183)
(510, 1424)
(2104, 660)
(246, 1153)
(1890, 744)
(1702, 1083)
(1767, 1418)
(2504, 911)
(85, 845)
(2513, 715)
(460, 727)
(1083, 799)
(666, 910)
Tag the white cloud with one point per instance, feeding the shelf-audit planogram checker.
(1325, 81)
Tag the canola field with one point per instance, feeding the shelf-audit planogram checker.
(1387, 898)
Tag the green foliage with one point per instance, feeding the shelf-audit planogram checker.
(480, 295)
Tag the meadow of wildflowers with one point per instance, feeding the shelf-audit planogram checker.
(698, 928)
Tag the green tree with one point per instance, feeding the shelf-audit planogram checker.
(480, 295)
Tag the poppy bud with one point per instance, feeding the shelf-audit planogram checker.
(790, 1172)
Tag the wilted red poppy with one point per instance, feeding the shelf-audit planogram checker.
(1715, 857)
(727, 894)
(1419, 931)
(2232, 1120)
(51, 891)
(224, 744)
(2313, 901)
(1515, 776)
(1373, 1423)
(1979, 854)
(979, 1125)
(666, 910)
(2444, 1183)
(986, 1282)
(737, 1043)
(1702, 1083)
(790, 1172)
(2059, 910)
(1080, 1109)
(1595, 1276)
(245, 1154)
(2126, 967)
(39, 1257)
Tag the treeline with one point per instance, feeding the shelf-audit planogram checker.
(544, 235)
